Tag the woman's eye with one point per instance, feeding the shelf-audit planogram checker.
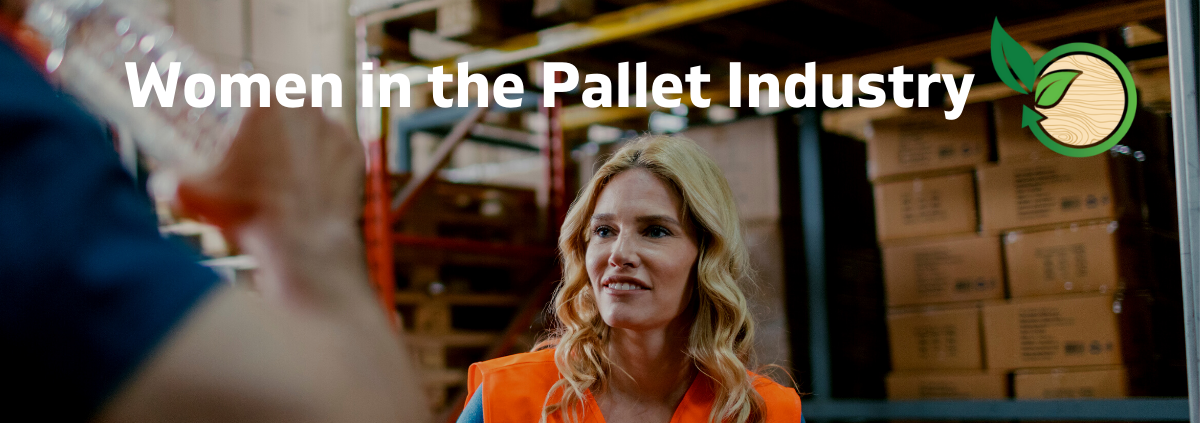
(602, 231)
(657, 232)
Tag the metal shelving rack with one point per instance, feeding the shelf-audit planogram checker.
(1182, 32)
(1182, 41)
(820, 406)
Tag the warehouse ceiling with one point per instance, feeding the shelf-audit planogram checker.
(851, 36)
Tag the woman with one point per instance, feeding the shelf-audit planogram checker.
(652, 326)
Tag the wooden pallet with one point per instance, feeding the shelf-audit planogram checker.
(448, 331)
(472, 211)
(454, 26)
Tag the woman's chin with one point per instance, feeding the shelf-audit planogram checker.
(629, 321)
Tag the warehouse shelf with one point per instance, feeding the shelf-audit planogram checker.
(430, 318)
(438, 121)
(605, 28)
(453, 339)
(822, 406)
(1132, 409)
(647, 19)
(496, 300)
(472, 246)
(954, 43)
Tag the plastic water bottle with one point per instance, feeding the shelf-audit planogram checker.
(91, 41)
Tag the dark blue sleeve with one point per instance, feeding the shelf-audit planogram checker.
(473, 412)
(88, 287)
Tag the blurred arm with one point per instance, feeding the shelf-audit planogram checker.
(315, 346)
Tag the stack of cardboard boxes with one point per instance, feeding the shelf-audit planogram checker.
(1060, 221)
(954, 226)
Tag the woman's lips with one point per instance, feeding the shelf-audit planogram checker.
(623, 284)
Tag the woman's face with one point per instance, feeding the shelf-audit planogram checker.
(640, 257)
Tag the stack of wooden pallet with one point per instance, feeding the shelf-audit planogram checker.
(467, 258)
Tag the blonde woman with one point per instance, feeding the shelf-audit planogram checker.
(652, 326)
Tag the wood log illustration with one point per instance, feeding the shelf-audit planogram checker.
(1093, 105)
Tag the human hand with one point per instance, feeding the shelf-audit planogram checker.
(289, 191)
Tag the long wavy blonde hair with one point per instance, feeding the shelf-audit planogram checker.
(721, 336)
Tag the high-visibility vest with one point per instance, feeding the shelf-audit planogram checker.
(515, 388)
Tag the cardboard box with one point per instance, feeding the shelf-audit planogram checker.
(1074, 330)
(924, 140)
(946, 385)
(747, 153)
(1042, 192)
(1062, 260)
(943, 271)
(939, 338)
(925, 207)
(1014, 143)
(1086, 382)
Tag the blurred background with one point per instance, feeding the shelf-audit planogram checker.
(907, 267)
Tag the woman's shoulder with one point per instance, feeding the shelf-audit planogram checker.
(529, 359)
(532, 369)
(782, 402)
(519, 381)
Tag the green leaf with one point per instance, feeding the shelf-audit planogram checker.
(1011, 60)
(1053, 86)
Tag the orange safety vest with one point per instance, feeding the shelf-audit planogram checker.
(515, 388)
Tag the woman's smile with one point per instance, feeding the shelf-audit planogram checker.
(615, 285)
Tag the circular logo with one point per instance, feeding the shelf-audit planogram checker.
(1085, 98)
(1083, 95)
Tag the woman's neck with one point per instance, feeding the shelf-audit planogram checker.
(650, 365)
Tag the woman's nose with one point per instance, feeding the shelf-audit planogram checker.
(624, 252)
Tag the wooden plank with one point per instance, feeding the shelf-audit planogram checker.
(389, 48)
(425, 45)
(1079, 21)
(1152, 78)
(473, 21)
(407, 10)
(623, 24)
(485, 300)
(745, 32)
(580, 116)
(507, 134)
(877, 14)
(452, 339)
(360, 8)
(432, 318)
(689, 53)
(563, 10)
(420, 14)
(474, 247)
